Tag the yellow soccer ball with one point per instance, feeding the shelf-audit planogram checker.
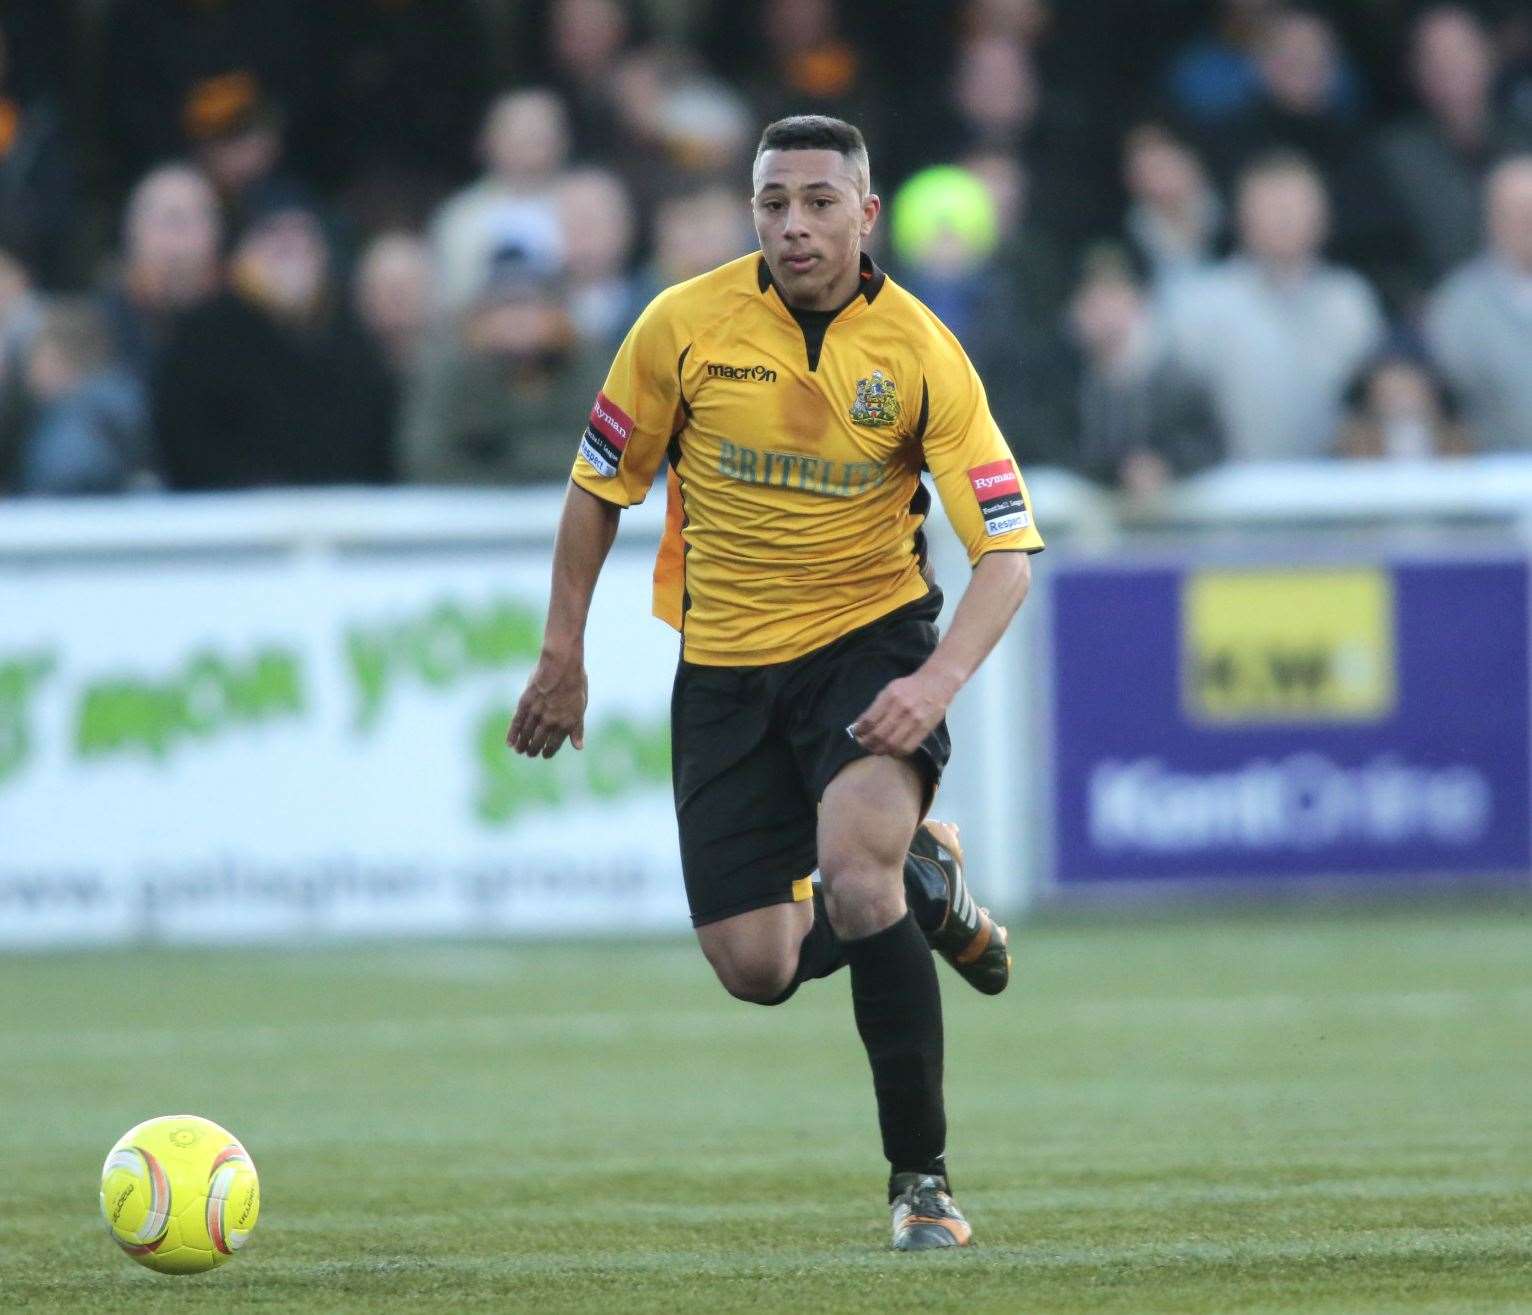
(179, 1194)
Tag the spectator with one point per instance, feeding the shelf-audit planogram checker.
(946, 246)
(393, 296)
(1001, 103)
(172, 233)
(1174, 215)
(1274, 332)
(1016, 20)
(905, 55)
(597, 222)
(161, 55)
(90, 429)
(1303, 71)
(1005, 181)
(1143, 419)
(679, 125)
(807, 66)
(816, 56)
(945, 231)
(525, 146)
(270, 383)
(573, 46)
(1436, 162)
(1217, 76)
(997, 90)
(1308, 106)
(695, 232)
(501, 402)
(1480, 321)
(1401, 409)
(410, 80)
(1030, 256)
(237, 137)
(21, 311)
(393, 290)
(36, 180)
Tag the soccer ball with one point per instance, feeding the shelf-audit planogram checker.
(179, 1194)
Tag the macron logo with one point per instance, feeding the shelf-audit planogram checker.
(758, 373)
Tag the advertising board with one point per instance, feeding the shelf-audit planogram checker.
(1359, 720)
(271, 745)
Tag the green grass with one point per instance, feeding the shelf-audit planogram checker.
(1304, 1111)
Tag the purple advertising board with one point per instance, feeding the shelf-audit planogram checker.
(1271, 722)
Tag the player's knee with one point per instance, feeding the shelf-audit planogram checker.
(756, 979)
(862, 899)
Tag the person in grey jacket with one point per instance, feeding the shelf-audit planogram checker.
(1480, 320)
(1275, 332)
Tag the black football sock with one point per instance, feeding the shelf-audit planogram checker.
(819, 954)
(822, 952)
(898, 1007)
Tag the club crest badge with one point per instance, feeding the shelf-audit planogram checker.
(876, 405)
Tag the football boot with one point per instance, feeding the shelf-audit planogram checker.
(956, 926)
(925, 1217)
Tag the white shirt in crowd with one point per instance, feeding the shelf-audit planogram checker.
(1276, 351)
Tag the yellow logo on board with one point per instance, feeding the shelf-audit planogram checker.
(1288, 646)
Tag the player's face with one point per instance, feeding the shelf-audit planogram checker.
(811, 217)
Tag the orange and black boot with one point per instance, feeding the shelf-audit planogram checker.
(956, 927)
(925, 1216)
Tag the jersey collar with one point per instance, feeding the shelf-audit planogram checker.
(871, 284)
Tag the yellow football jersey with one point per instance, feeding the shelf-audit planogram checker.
(796, 442)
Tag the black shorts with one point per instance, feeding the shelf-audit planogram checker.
(753, 750)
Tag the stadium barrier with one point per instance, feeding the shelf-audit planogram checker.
(281, 714)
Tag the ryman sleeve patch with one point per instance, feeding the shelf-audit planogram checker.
(606, 435)
(998, 489)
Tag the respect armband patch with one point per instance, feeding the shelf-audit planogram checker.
(606, 435)
(998, 490)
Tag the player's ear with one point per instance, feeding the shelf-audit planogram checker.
(871, 208)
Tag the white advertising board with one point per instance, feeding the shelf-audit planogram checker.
(271, 743)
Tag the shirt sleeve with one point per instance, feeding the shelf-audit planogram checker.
(976, 476)
(636, 411)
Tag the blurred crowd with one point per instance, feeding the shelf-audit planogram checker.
(247, 243)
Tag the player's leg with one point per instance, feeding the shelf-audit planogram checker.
(765, 955)
(832, 690)
(756, 954)
(748, 838)
(869, 814)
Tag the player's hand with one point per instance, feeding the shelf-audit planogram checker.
(551, 710)
(907, 710)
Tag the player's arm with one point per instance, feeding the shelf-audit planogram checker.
(633, 418)
(552, 707)
(988, 505)
(910, 708)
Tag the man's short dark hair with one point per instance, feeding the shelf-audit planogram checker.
(818, 132)
(812, 132)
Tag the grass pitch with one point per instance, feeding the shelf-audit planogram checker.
(1316, 1112)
